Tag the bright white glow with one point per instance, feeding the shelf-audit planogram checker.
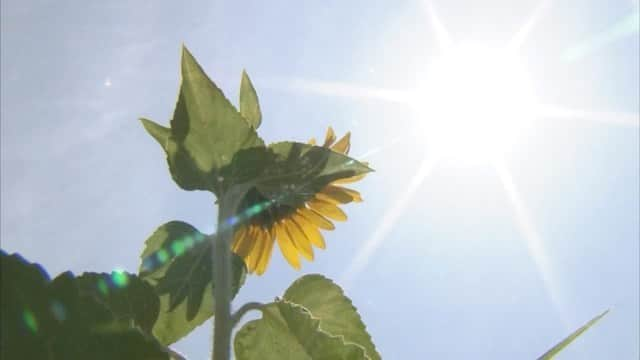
(474, 102)
(608, 117)
(442, 35)
(522, 34)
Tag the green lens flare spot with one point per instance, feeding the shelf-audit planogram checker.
(177, 247)
(59, 311)
(30, 321)
(120, 278)
(103, 288)
(162, 256)
(188, 242)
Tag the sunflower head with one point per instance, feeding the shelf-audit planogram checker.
(294, 226)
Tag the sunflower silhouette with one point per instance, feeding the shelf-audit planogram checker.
(296, 229)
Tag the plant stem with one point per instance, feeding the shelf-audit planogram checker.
(221, 254)
(235, 318)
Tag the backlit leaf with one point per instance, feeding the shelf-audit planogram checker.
(206, 131)
(327, 303)
(569, 339)
(42, 319)
(184, 279)
(314, 320)
(288, 331)
(300, 170)
(249, 105)
(136, 302)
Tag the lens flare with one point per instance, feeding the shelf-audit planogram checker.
(179, 246)
(119, 278)
(103, 288)
(30, 321)
(474, 102)
(58, 310)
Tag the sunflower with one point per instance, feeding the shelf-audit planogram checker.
(297, 230)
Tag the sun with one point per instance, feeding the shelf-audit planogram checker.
(474, 102)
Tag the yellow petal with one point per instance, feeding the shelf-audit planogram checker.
(310, 230)
(259, 241)
(355, 196)
(334, 195)
(312, 141)
(327, 209)
(316, 219)
(286, 246)
(238, 237)
(266, 252)
(299, 239)
(349, 180)
(329, 138)
(343, 145)
(242, 242)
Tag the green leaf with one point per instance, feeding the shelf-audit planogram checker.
(569, 339)
(136, 302)
(249, 105)
(206, 131)
(159, 132)
(169, 240)
(327, 303)
(289, 331)
(184, 279)
(298, 171)
(42, 319)
(206, 126)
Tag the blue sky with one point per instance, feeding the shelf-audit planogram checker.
(451, 274)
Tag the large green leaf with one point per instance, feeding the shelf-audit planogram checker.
(569, 339)
(184, 279)
(327, 303)
(313, 313)
(169, 240)
(166, 242)
(289, 331)
(206, 131)
(44, 319)
(131, 299)
(249, 105)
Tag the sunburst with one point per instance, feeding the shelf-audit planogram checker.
(495, 108)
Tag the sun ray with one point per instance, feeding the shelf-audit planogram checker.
(612, 118)
(341, 89)
(534, 243)
(368, 249)
(442, 34)
(627, 26)
(521, 36)
(383, 147)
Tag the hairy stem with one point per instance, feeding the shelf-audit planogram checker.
(221, 253)
(235, 318)
(174, 355)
